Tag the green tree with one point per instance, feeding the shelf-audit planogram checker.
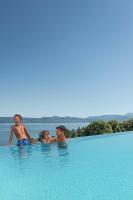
(72, 133)
(128, 125)
(121, 126)
(98, 127)
(101, 127)
(115, 125)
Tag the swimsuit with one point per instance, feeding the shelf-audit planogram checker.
(21, 132)
(23, 142)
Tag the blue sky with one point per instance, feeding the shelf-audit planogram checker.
(64, 58)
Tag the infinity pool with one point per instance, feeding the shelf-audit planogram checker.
(90, 168)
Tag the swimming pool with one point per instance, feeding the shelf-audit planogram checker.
(90, 168)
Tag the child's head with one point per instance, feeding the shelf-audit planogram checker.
(44, 134)
(17, 118)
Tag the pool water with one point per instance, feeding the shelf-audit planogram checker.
(89, 168)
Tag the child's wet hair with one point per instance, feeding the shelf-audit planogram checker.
(43, 133)
(17, 115)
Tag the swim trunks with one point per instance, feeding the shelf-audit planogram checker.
(23, 142)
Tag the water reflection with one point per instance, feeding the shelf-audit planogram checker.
(63, 153)
(62, 145)
(55, 154)
(23, 152)
(20, 154)
(45, 149)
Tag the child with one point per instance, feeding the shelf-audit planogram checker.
(45, 137)
(20, 132)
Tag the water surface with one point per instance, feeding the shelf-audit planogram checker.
(90, 168)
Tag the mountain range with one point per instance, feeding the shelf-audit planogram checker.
(67, 119)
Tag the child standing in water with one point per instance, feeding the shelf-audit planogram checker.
(20, 132)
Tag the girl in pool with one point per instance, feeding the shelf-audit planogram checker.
(45, 137)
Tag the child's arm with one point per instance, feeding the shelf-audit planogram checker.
(53, 139)
(34, 141)
(11, 136)
(27, 134)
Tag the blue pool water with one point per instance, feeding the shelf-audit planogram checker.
(89, 168)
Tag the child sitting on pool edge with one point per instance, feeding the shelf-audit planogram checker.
(20, 132)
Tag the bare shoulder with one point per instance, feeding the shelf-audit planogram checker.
(13, 127)
(23, 125)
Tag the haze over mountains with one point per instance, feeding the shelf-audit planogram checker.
(57, 119)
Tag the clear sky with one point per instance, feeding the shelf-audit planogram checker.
(66, 57)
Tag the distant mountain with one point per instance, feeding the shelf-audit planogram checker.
(109, 117)
(56, 119)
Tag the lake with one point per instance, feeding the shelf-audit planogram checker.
(34, 129)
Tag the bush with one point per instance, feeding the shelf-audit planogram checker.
(115, 125)
(101, 127)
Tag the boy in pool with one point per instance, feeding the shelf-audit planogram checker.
(20, 132)
(45, 137)
(60, 132)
